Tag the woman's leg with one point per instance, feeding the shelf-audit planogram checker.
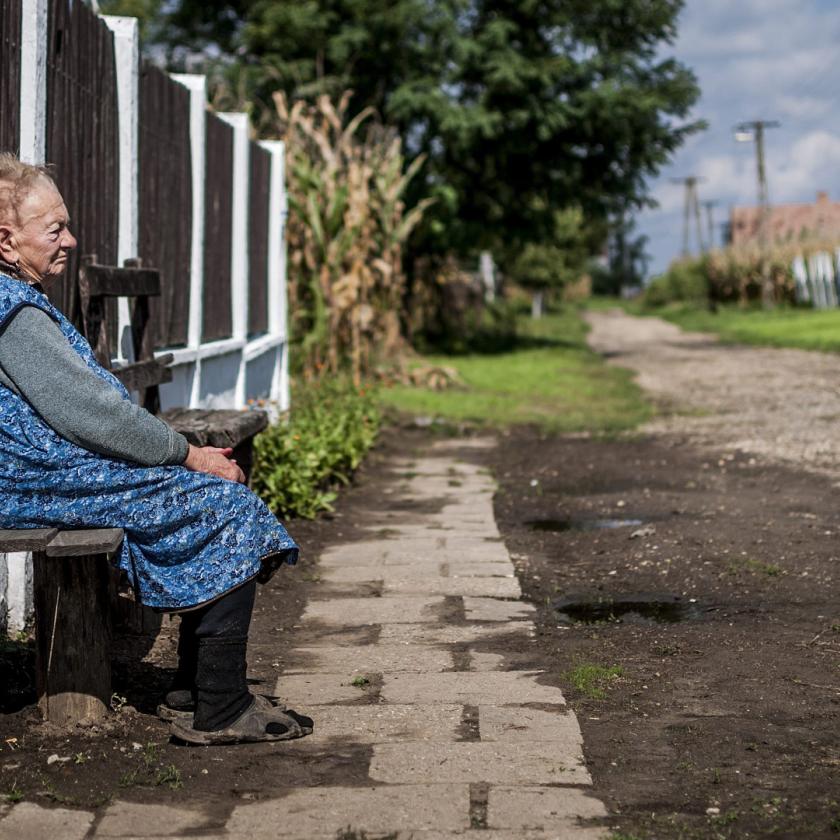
(221, 633)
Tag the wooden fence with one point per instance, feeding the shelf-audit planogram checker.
(147, 171)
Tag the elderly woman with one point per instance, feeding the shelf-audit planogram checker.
(78, 453)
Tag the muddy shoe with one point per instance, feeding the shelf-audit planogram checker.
(180, 705)
(176, 705)
(261, 721)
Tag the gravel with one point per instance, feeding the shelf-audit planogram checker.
(777, 405)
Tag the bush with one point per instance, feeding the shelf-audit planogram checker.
(300, 461)
(686, 281)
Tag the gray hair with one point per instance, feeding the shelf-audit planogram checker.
(17, 180)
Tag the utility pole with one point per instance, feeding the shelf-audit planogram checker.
(744, 133)
(691, 208)
(710, 222)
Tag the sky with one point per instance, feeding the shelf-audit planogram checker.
(754, 59)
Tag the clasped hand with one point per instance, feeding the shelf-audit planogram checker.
(214, 461)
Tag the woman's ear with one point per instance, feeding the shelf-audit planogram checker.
(8, 244)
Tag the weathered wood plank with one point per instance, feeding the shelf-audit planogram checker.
(72, 638)
(113, 281)
(208, 427)
(141, 375)
(79, 543)
(27, 539)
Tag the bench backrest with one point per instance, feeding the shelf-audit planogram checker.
(99, 284)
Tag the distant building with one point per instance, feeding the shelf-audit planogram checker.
(787, 222)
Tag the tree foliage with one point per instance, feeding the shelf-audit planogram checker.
(521, 107)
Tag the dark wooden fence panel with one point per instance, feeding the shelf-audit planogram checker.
(258, 238)
(218, 217)
(165, 171)
(10, 75)
(82, 136)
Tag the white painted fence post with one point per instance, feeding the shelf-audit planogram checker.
(800, 274)
(16, 569)
(126, 35)
(239, 242)
(33, 81)
(277, 298)
(197, 86)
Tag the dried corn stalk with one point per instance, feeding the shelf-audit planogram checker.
(347, 226)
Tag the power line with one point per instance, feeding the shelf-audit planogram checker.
(691, 208)
(745, 132)
(710, 221)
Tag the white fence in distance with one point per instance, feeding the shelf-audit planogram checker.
(818, 279)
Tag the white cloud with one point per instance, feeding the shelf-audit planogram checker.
(768, 59)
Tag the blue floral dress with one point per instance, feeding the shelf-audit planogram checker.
(189, 537)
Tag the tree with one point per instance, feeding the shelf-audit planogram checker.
(546, 267)
(521, 107)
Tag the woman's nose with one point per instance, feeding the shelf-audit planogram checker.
(68, 242)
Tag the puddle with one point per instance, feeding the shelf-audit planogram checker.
(630, 609)
(558, 526)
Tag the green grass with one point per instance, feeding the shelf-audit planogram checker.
(546, 376)
(593, 680)
(806, 329)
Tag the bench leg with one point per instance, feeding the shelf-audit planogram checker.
(72, 637)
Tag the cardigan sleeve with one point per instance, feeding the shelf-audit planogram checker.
(38, 363)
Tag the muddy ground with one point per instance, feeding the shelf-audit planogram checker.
(735, 709)
(721, 725)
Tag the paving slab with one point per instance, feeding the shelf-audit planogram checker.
(469, 688)
(490, 609)
(384, 723)
(367, 574)
(480, 568)
(517, 724)
(367, 659)
(542, 808)
(304, 690)
(28, 821)
(131, 819)
(524, 763)
(451, 634)
(349, 612)
(306, 813)
(487, 587)
(566, 833)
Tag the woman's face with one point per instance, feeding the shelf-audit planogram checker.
(41, 237)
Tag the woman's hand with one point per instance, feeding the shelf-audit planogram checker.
(214, 461)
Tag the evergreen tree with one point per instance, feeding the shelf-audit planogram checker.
(522, 107)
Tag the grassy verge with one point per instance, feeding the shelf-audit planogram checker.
(546, 375)
(806, 329)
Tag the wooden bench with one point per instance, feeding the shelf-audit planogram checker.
(72, 583)
(73, 579)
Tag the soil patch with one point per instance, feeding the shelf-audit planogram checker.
(722, 726)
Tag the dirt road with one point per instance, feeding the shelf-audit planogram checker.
(782, 405)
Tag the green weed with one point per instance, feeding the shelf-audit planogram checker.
(14, 794)
(169, 776)
(593, 680)
(300, 462)
(755, 567)
(360, 682)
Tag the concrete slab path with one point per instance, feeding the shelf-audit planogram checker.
(459, 743)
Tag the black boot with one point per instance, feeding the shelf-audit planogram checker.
(221, 689)
(181, 694)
